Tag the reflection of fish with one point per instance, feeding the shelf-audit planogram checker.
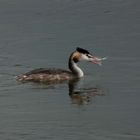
(47, 75)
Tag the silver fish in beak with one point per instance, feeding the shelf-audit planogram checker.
(97, 60)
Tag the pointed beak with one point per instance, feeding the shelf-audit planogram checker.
(97, 60)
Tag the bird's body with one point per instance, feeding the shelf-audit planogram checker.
(50, 75)
(44, 75)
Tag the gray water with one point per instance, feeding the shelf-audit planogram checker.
(43, 33)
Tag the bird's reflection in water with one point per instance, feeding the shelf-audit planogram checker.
(82, 96)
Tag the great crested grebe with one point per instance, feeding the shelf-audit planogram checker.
(48, 75)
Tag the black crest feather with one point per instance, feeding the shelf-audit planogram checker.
(82, 50)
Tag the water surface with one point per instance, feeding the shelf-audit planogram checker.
(104, 104)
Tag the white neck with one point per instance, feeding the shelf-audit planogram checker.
(75, 69)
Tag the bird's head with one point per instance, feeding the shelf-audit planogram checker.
(82, 54)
